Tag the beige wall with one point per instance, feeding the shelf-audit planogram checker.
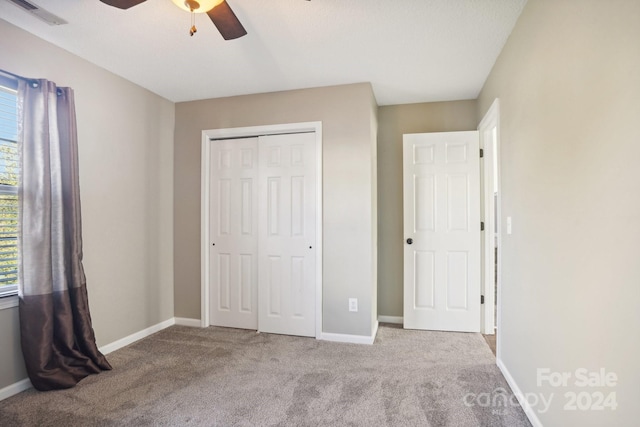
(348, 185)
(12, 368)
(569, 86)
(125, 136)
(395, 120)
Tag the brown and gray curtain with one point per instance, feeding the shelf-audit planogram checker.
(58, 342)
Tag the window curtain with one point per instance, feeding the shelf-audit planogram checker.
(58, 342)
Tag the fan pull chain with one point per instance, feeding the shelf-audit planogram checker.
(193, 29)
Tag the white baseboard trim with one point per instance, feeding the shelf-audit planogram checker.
(398, 320)
(184, 321)
(15, 388)
(123, 342)
(526, 407)
(352, 339)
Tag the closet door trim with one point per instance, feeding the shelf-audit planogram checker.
(245, 132)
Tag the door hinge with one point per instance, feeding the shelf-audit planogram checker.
(482, 226)
(481, 153)
(481, 299)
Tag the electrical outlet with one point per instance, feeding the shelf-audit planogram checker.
(353, 304)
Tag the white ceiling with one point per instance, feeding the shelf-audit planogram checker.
(410, 50)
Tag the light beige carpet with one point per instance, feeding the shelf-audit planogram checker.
(228, 377)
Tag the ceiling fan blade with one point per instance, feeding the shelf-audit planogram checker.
(123, 4)
(226, 21)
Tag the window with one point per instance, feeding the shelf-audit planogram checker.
(9, 168)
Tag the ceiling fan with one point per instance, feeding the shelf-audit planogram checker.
(218, 11)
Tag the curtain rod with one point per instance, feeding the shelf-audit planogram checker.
(14, 75)
(32, 82)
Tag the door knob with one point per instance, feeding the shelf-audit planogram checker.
(409, 240)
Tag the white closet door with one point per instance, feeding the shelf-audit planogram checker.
(234, 233)
(442, 231)
(287, 224)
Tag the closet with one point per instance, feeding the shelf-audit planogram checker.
(262, 233)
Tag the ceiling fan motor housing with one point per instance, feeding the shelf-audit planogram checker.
(197, 6)
(193, 5)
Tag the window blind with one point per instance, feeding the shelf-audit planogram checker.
(9, 173)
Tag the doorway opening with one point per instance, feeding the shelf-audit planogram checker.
(489, 130)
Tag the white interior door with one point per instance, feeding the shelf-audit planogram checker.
(442, 231)
(287, 238)
(234, 233)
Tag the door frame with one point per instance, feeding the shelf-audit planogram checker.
(489, 121)
(247, 132)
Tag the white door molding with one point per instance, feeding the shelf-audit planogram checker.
(489, 129)
(244, 132)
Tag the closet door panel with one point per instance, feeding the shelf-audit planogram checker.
(234, 233)
(286, 240)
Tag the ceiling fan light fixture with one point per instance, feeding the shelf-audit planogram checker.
(197, 6)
